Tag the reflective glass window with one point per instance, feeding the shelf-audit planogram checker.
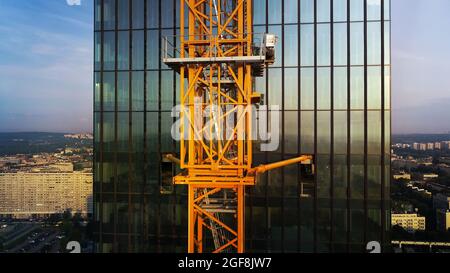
(291, 45)
(274, 9)
(307, 45)
(109, 14)
(340, 88)
(290, 11)
(323, 89)
(357, 43)
(356, 10)
(138, 13)
(138, 50)
(373, 43)
(307, 11)
(323, 45)
(138, 91)
(152, 13)
(373, 9)
(109, 50)
(123, 14)
(109, 91)
(357, 88)
(374, 87)
(323, 10)
(339, 10)
(291, 89)
(307, 132)
(123, 91)
(307, 88)
(123, 62)
(340, 43)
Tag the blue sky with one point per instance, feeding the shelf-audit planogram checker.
(46, 66)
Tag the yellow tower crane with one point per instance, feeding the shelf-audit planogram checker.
(217, 58)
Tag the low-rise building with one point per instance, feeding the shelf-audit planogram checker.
(443, 219)
(404, 176)
(430, 176)
(409, 222)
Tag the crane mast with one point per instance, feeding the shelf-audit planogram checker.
(217, 57)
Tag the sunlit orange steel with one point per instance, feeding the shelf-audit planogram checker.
(214, 61)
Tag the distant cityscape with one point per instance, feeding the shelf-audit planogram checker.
(420, 191)
(45, 197)
(41, 192)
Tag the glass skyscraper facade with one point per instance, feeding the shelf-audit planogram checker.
(331, 78)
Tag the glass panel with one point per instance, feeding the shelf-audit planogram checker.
(374, 177)
(307, 88)
(259, 13)
(291, 132)
(374, 87)
(323, 45)
(323, 132)
(152, 91)
(357, 88)
(98, 14)
(290, 11)
(108, 91)
(123, 91)
(138, 50)
(357, 177)
(109, 50)
(340, 176)
(97, 50)
(387, 87)
(108, 144)
(307, 45)
(356, 10)
(357, 43)
(167, 13)
(373, 43)
(357, 132)
(291, 89)
(152, 13)
(340, 43)
(167, 91)
(340, 10)
(323, 10)
(291, 45)
(373, 9)
(274, 9)
(387, 9)
(275, 87)
(124, 14)
(307, 11)
(387, 43)
(97, 91)
(307, 132)
(138, 13)
(323, 176)
(323, 89)
(153, 49)
(374, 132)
(123, 62)
(340, 132)
(109, 14)
(138, 91)
(340, 88)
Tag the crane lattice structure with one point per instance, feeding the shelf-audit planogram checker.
(217, 59)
